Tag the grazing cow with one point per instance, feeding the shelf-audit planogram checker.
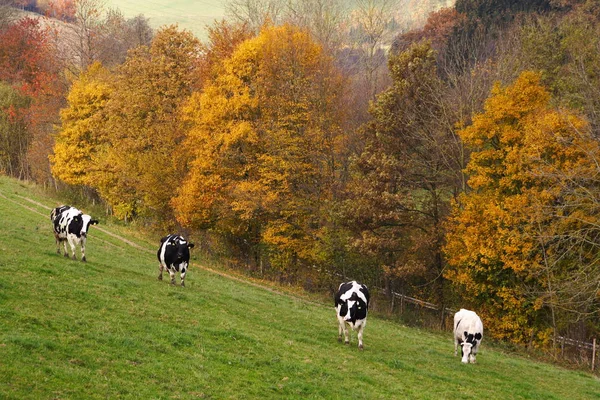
(71, 225)
(174, 255)
(468, 332)
(351, 305)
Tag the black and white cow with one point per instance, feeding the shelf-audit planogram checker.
(71, 225)
(468, 332)
(351, 305)
(174, 255)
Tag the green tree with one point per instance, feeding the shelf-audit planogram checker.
(404, 179)
(14, 135)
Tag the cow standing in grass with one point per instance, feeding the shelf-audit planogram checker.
(468, 332)
(71, 225)
(174, 255)
(351, 305)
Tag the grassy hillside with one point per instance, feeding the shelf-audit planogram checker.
(192, 15)
(109, 329)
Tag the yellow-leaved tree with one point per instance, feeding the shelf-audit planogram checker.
(521, 241)
(81, 132)
(264, 147)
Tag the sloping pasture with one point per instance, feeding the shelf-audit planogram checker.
(108, 329)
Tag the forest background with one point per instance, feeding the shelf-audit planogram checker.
(307, 142)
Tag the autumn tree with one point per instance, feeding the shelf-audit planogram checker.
(564, 50)
(81, 134)
(403, 181)
(140, 165)
(8, 14)
(264, 148)
(95, 33)
(14, 136)
(437, 29)
(28, 64)
(116, 35)
(326, 20)
(255, 13)
(223, 39)
(372, 20)
(521, 239)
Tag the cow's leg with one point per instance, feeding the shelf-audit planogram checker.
(183, 271)
(83, 250)
(340, 330)
(73, 248)
(346, 334)
(172, 274)
(455, 347)
(57, 240)
(65, 247)
(160, 271)
(360, 335)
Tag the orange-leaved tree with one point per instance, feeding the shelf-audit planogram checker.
(29, 64)
(521, 237)
(142, 163)
(264, 145)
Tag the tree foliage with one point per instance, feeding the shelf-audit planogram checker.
(403, 180)
(512, 242)
(14, 136)
(140, 164)
(29, 65)
(82, 122)
(264, 145)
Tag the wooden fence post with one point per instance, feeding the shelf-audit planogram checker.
(401, 304)
(442, 322)
(593, 354)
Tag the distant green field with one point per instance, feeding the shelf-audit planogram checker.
(108, 329)
(192, 15)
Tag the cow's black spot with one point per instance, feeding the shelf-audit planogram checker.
(344, 309)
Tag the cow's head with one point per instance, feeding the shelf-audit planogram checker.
(470, 340)
(353, 309)
(86, 222)
(183, 249)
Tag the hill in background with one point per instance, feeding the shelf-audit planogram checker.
(197, 15)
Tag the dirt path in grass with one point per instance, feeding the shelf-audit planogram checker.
(128, 242)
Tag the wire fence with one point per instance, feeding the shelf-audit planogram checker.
(570, 349)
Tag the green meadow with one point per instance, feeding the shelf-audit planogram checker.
(192, 15)
(108, 329)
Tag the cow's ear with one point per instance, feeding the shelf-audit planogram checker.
(190, 245)
(162, 240)
(94, 222)
(478, 336)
